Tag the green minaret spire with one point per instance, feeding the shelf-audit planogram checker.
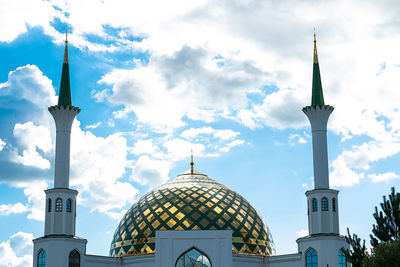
(317, 98)
(64, 95)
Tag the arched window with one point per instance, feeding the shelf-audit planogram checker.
(324, 204)
(193, 258)
(69, 203)
(334, 204)
(49, 205)
(74, 259)
(314, 205)
(59, 204)
(311, 258)
(342, 258)
(41, 260)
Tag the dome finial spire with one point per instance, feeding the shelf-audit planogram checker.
(191, 162)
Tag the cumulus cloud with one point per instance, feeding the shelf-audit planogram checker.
(97, 163)
(149, 171)
(228, 147)
(34, 191)
(280, 110)
(296, 139)
(17, 250)
(144, 147)
(178, 149)
(2, 144)
(29, 90)
(187, 83)
(18, 15)
(350, 166)
(383, 177)
(221, 134)
(93, 126)
(302, 233)
(32, 140)
(7, 209)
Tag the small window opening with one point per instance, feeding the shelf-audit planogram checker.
(311, 258)
(324, 204)
(59, 205)
(193, 258)
(74, 259)
(314, 205)
(334, 204)
(41, 258)
(49, 205)
(69, 201)
(342, 258)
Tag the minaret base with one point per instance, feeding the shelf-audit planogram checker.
(57, 249)
(327, 247)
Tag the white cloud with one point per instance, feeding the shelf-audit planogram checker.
(151, 172)
(221, 134)
(296, 139)
(187, 83)
(179, 149)
(194, 132)
(17, 250)
(225, 134)
(234, 143)
(144, 147)
(345, 166)
(97, 164)
(19, 14)
(2, 144)
(28, 83)
(116, 216)
(34, 191)
(34, 141)
(383, 177)
(302, 233)
(94, 126)
(7, 209)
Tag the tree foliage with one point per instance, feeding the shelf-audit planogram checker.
(357, 252)
(387, 227)
(384, 254)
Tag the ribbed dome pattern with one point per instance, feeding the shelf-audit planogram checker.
(191, 202)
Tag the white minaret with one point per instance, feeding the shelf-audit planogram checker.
(59, 241)
(322, 202)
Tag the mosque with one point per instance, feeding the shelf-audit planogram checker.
(192, 220)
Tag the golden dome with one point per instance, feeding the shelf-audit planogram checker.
(191, 201)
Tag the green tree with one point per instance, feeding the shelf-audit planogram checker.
(387, 227)
(384, 254)
(357, 252)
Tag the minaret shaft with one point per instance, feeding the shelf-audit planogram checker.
(318, 117)
(62, 164)
(320, 159)
(63, 117)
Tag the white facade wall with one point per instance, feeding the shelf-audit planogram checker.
(288, 260)
(248, 260)
(326, 246)
(57, 249)
(216, 244)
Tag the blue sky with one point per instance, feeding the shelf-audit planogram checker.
(227, 79)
